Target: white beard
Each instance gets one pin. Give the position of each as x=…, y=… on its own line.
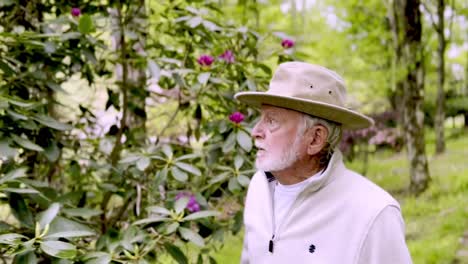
x=282, y=161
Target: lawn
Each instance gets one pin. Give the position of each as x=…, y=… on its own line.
x=435, y=220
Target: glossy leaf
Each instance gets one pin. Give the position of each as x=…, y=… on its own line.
x=188, y=168
x=244, y=140
x=176, y=253
x=190, y=235
x=179, y=174
x=48, y=215
x=62, y=227
x=180, y=204
x=26, y=143
x=201, y=214
x=59, y=249
x=14, y=174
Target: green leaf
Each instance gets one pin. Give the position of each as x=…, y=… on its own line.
x=244, y=140
x=151, y=220
x=12, y=239
x=50, y=122
x=26, y=143
x=230, y=143
x=143, y=163
x=20, y=210
x=21, y=103
x=59, y=249
x=19, y=190
x=251, y=84
x=190, y=235
x=14, y=174
x=238, y=162
x=200, y=214
x=171, y=228
x=6, y=150
x=130, y=159
x=188, y=168
x=221, y=177
x=85, y=25
x=98, y=258
x=178, y=174
x=6, y=68
x=70, y=35
x=154, y=69
x=158, y=210
x=16, y=116
x=176, y=253
x=194, y=21
x=243, y=180
x=26, y=258
x=52, y=152
x=180, y=204
x=233, y=185
x=62, y=227
x=48, y=215
x=203, y=77
x=210, y=25
x=167, y=150
x=82, y=212
x=187, y=156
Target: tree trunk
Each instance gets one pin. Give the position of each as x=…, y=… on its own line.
x=440, y=102
x=407, y=19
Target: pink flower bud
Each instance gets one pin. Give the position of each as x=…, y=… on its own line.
x=236, y=117
x=75, y=11
x=205, y=60
x=227, y=56
x=287, y=43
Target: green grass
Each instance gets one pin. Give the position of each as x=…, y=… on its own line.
x=435, y=220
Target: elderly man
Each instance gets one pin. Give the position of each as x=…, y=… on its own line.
x=303, y=205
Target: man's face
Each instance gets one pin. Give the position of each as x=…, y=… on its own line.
x=278, y=137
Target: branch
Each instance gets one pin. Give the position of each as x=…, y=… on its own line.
x=451, y=21
x=436, y=27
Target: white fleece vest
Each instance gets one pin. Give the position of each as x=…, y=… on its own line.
x=328, y=222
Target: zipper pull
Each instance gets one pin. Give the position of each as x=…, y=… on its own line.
x=271, y=245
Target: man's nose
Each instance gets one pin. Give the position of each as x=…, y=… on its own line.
x=257, y=131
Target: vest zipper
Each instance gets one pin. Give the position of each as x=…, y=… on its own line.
x=271, y=244
x=296, y=202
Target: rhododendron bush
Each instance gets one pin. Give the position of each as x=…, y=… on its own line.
x=170, y=167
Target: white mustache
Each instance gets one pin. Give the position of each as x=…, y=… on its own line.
x=259, y=146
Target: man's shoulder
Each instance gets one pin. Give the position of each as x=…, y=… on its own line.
x=364, y=191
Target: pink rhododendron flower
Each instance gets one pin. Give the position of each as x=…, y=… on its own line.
x=192, y=205
x=75, y=11
x=287, y=43
x=205, y=60
x=236, y=117
x=227, y=56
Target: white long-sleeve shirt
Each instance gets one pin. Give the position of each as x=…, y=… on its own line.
x=339, y=218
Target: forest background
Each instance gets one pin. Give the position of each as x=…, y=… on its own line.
x=120, y=141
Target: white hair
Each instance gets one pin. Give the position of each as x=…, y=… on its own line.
x=335, y=133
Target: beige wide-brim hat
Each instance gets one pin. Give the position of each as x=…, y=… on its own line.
x=311, y=89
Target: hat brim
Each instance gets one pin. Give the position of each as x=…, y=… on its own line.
x=348, y=118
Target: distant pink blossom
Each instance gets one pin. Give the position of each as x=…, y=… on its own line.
x=227, y=56
x=237, y=117
x=75, y=11
x=287, y=43
x=192, y=205
x=205, y=60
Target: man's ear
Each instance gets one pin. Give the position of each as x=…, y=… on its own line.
x=318, y=139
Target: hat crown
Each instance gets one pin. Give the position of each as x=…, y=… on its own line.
x=310, y=82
